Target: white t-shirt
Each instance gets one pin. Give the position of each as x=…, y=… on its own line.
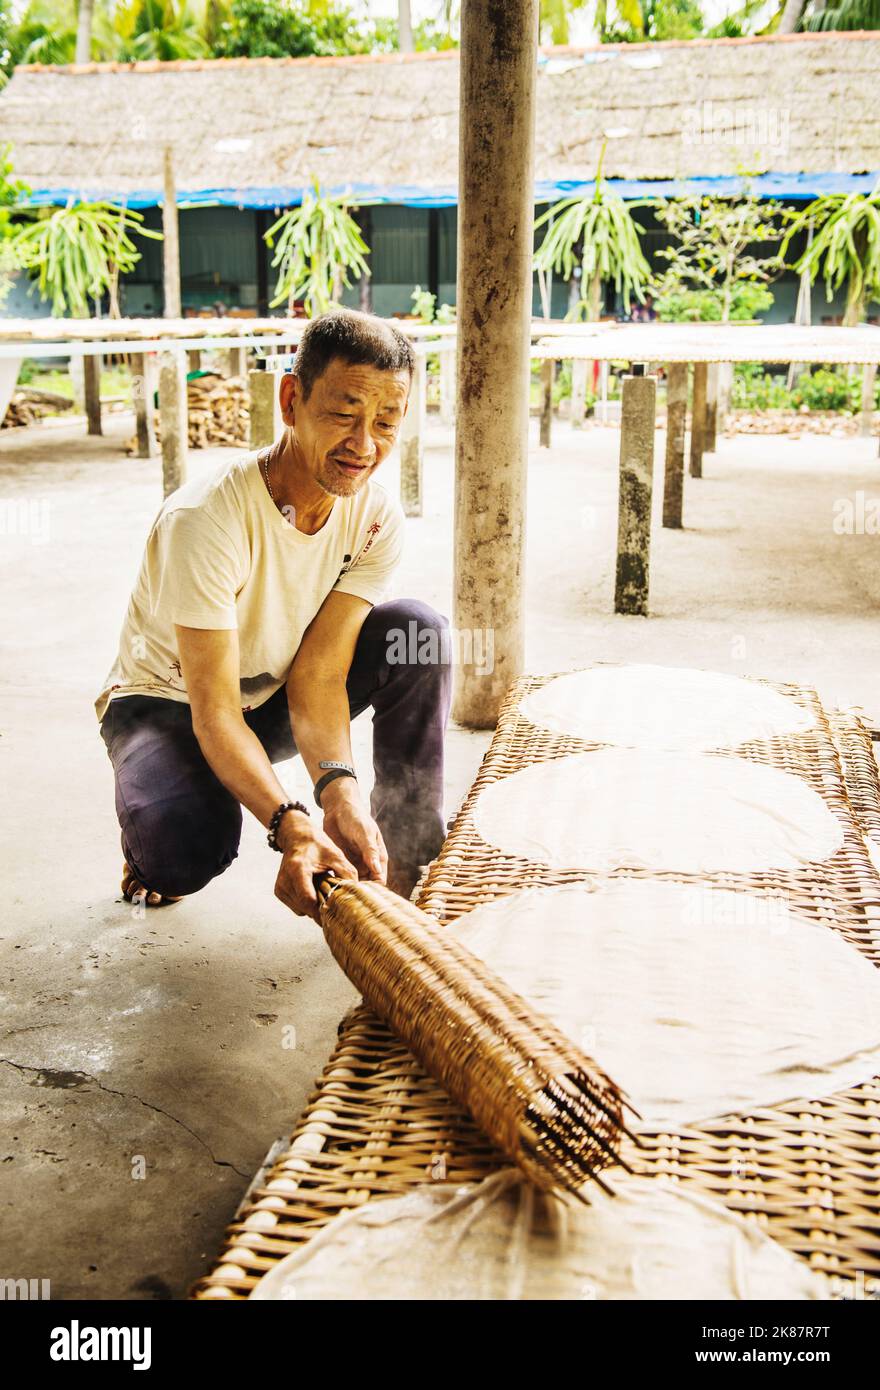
x=221, y=555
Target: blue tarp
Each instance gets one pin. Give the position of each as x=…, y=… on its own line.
x=799, y=187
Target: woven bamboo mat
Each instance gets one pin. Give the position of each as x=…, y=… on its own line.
x=807, y=1172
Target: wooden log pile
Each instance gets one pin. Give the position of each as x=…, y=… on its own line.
x=218, y=411
x=28, y=405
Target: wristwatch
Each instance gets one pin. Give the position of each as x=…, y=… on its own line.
x=333, y=770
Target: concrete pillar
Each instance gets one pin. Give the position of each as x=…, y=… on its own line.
x=866, y=417
x=92, y=392
x=171, y=240
x=173, y=418
x=578, y=391
x=265, y=408
x=676, y=424
x=447, y=387
x=547, y=374
x=236, y=361
x=698, y=420
x=494, y=300
x=712, y=375
x=634, y=502
x=412, y=441
x=142, y=389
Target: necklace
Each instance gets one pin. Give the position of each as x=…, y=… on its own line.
x=266, y=476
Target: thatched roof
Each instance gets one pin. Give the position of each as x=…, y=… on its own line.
x=258, y=131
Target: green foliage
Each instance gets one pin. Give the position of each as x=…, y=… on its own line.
x=711, y=266
x=77, y=252
x=318, y=245
x=824, y=388
x=425, y=307
x=285, y=28
x=13, y=194
x=748, y=301
x=600, y=232
x=159, y=30
x=845, y=247
x=849, y=14
x=640, y=21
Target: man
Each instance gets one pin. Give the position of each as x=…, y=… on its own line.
x=256, y=630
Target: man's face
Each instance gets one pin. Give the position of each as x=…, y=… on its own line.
x=349, y=423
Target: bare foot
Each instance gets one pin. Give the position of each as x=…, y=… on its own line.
x=133, y=888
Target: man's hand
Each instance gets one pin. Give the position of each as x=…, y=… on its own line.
x=307, y=851
x=350, y=826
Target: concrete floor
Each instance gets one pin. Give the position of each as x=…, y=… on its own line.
x=146, y=1059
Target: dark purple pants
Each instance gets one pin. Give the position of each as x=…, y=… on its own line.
x=180, y=825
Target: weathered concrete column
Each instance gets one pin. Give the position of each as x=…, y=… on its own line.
x=578, y=391
x=447, y=386
x=171, y=240
x=236, y=361
x=547, y=374
x=638, y=404
x=412, y=441
x=173, y=418
x=712, y=374
x=698, y=420
x=92, y=391
x=494, y=299
x=265, y=408
x=142, y=389
x=866, y=417
x=676, y=424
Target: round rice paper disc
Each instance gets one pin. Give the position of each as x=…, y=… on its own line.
x=502, y=1239
x=684, y=813
x=641, y=706
x=697, y=1001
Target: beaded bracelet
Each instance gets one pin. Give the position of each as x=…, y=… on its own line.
x=272, y=837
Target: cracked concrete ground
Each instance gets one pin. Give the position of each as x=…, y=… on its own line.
x=151, y=1058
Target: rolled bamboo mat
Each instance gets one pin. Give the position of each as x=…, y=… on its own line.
x=807, y=1172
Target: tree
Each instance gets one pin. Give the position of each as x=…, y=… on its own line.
x=845, y=248
x=13, y=196
x=84, y=31
x=78, y=251
x=712, y=271
x=849, y=14
x=404, y=26
x=599, y=231
x=156, y=30
x=318, y=245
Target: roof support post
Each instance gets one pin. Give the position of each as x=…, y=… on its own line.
x=412, y=440
x=866, y=418
x=142, y=388
x=171, y=240
x=712, y=376
x=578, y=391
x=676, y=423
x=547, y=373
x=173, y=418
x=265, y=408
x=698, y=420
x=638, y=404
x=92, y=391
x=499, y=40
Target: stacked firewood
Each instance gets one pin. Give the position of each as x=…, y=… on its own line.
x=218, y=410
x=29, y=405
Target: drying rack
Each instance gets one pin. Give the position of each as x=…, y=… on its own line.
x=806, y=1172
